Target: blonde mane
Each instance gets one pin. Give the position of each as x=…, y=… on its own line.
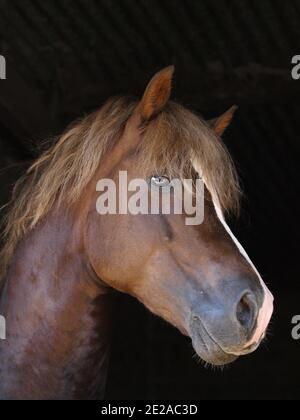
x=170, y=143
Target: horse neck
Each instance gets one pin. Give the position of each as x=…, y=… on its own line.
x=57, y=316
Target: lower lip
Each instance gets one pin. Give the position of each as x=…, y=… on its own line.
x=247, y=350
x=220, y=353
x=225, y=353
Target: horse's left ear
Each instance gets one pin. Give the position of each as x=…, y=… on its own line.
x=157, y=94
x=220, y=124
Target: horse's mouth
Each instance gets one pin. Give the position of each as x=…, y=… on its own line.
x=208, y=349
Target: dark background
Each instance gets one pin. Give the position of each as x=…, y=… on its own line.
x=66, y=57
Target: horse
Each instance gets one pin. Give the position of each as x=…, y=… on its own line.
x=61, y=261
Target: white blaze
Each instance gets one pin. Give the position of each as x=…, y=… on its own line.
x=266, y=311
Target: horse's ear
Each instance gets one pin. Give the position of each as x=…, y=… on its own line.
x=157, y=94
x=220, y=124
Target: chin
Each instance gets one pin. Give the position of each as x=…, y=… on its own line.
x=213, y=356
x=210, y=352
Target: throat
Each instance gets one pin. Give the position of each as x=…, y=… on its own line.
x=58, y=321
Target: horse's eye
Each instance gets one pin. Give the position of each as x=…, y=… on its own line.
x=159, y=181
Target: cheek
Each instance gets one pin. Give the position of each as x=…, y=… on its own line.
x=118, y=249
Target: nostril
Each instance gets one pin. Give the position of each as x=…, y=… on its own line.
x=247, y=312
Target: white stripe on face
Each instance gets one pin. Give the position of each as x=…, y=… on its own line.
x=266, y=311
